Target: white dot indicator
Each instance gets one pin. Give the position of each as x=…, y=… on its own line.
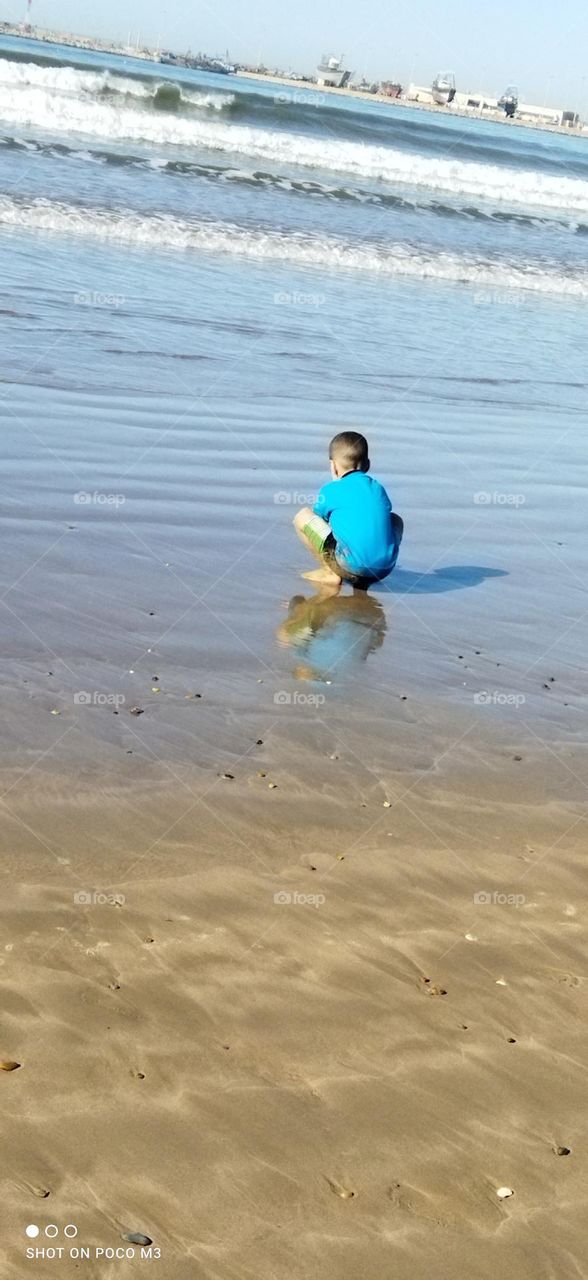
x=31, y=1231
x=70, y=1230
x=52, y=1230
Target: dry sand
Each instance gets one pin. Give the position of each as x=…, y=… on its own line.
x=336, y=1086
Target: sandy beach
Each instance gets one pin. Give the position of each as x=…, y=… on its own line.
x=292, y=927
x=330, y=1003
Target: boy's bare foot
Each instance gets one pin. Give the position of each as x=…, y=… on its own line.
x=325, y=576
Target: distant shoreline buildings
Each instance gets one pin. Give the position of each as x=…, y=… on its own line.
x=331, y=75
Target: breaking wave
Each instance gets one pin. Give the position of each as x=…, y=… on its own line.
x=102, y=104
x=166, y=232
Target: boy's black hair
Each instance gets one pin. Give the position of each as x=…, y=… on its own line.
x=350, y=451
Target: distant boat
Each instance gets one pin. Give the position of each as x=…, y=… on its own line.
x=331, y=71
x=509, y=101
x=443, y=88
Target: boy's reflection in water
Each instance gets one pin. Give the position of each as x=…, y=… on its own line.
x=332, y=633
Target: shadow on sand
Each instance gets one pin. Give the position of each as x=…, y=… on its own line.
x=450, y=578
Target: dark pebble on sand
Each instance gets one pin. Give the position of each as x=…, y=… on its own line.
x=259, y=742
x=230, y=777
x=8, y=1064
x=563, y=1151
x=511, y=1040
x=135, y=1237
x=517, y=757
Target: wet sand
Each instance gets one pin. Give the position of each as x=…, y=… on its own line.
x=282, y=1035
x=335, y=1084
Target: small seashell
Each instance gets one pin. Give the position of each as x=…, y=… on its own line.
x=55, y=713
x=504, y=1192
x=135, y=1237
x=500, y=982
x=471, y=937
x=7, y=1064
x=261, y=774
x=272, y=786
x=386, y=804
x=136, y=711
x=155, y=689
x=344, y=1193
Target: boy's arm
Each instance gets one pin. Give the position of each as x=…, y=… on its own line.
x=324, y=503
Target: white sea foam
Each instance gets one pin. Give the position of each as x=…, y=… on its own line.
x=67, y=100
x=490, y=277
x=70, y=82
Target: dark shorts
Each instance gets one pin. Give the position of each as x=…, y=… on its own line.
x=322, y=538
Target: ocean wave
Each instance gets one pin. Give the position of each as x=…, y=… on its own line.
x=71, y=82
x=67, y=100
x=421, y=202
x=166, y=232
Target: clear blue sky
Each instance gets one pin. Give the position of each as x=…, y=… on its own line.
x=539, y=45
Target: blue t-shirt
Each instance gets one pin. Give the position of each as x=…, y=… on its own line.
x=359, y=512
